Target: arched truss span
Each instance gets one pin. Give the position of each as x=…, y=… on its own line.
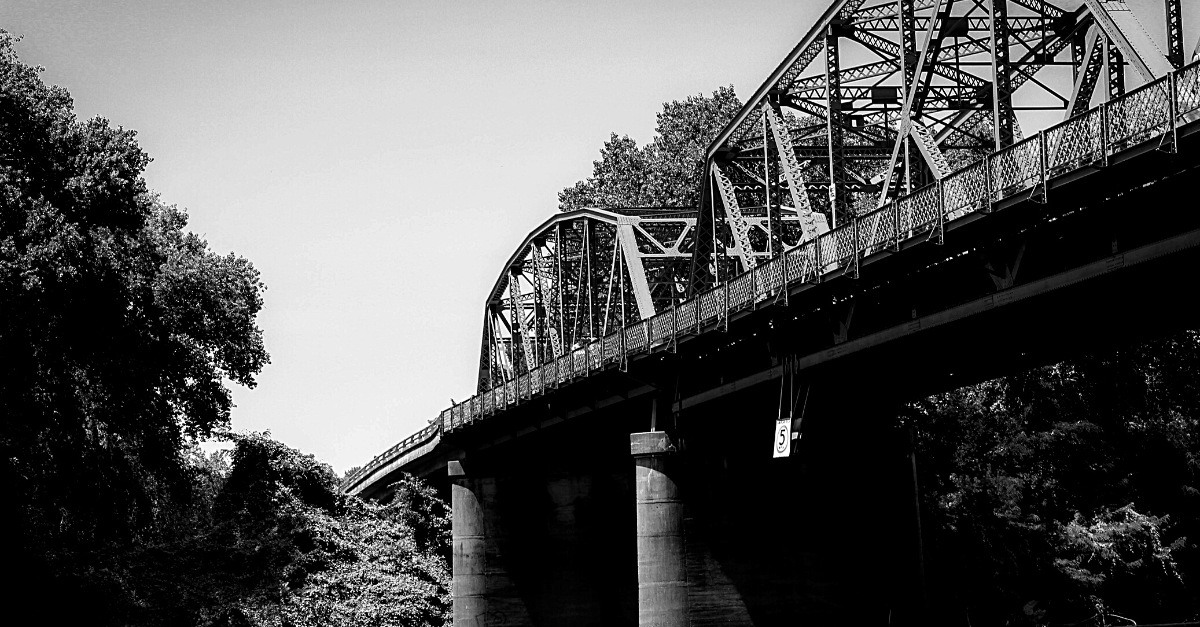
x=882, y=97
x=578, y=276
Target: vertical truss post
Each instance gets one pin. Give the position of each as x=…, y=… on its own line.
x=1002, y=111
x=909, y=59
x=1116, y=70
x=834, y=120
x=1174, y=33
x=770, y=184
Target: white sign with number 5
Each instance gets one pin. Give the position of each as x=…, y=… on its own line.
x=783, y=437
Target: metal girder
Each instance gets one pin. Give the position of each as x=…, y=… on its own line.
x=1088, y=75
x=637, y=272
x=1002, y=90
x=906, y=114
x=1174, y=23
x=930, y=151
x=810, y=223
x=1134, y=43
x=835, y=137
x=740, y=231
x=1114, y=62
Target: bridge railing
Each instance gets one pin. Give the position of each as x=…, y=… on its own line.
x=1152, y=111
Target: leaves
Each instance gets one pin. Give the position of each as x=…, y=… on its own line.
x=666, y=172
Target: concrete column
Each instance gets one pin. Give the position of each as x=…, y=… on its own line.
x=662, y=568
x=468, y=540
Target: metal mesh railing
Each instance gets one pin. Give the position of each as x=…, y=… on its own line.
x=710, y=306
x=1076, y=143
x=1187, y=94
x=595, y=353
x=1142, y=113
x=635, y=337
x=802, y=262
x=740, y=291
x=768, y=277
x=612, y=347
x=662, y=327
x=926, y=208
x=1016, y=169
x=877, y=229
x=965, y=191
x=686, y=315
x=579, y=365
x=1138, y=116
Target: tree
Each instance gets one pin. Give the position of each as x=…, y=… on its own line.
x=117, y=327
x=1067, y=490
x=666, y=172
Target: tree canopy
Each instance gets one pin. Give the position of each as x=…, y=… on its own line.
x=664, y=173
x=118, y=328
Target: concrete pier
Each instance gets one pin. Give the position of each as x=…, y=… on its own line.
x=661, y=555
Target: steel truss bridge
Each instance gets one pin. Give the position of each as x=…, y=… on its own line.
x=923, y=194
x=829, y=167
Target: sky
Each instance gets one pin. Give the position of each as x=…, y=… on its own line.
x=379, y=161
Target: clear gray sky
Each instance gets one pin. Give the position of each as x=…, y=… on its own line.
x=378, y=161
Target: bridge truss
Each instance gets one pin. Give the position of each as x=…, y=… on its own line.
x=882, y=98
x=841, y=158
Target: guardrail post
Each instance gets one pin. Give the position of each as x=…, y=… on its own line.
x=938, y=233
x=852, y=267
x=1104, y=143
x=1039, y=192
x=1171, y=136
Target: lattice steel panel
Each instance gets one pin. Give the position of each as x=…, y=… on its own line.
x=612, y=347
x=489, y=402
x=877, y=229
x=802, y=262
x=1187, y=89
x=476, y=407
x=535, y=381
x=579, y=365
x=686, y=315
x=1139, y=115
x=828, y=246
x=740, y=294
x=769, y=277
x=635, y=338
x=926, y=208
x=662, y=327
x=966, y=191
x=710, y=305
x=1017, y=168
x=523, y=387
x=843, y=246
x=456, y=415
x=565, y=368
x=1075, y=143
x=595, y=353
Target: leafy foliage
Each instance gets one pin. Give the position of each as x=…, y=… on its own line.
x=118, y=331
x=1069, y=489
x=666, y=172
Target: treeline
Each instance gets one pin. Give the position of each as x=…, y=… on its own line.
x=118, y=331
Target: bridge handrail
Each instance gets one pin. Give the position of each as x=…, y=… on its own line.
x=1150, y=111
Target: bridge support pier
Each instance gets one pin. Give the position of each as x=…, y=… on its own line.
x=468, y=538
x=661, y=559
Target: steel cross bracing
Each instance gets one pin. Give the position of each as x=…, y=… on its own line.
x=855, y=77
x=593, y=288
